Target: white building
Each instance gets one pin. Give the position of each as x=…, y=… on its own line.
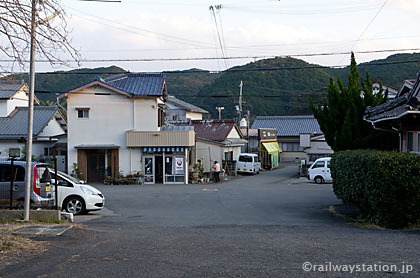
x=217, y=140
x=291, y=129
x=181, y=111
x=48, y=128
x=114, y=127
x=376, y=86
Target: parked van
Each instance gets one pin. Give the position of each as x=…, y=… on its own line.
x=248, y=163
x=73, y=196
x=40, y=184
x=320, y=170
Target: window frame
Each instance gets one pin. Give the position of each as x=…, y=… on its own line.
x=83, y=112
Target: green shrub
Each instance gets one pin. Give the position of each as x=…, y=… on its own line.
x=384, y=186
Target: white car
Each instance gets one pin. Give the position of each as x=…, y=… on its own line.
x=320, y=170
x=248, y=163
x=76, y=197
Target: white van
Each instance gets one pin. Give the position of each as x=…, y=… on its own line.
x=320, y=170
x=248, y=163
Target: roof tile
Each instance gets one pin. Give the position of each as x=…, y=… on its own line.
x=289, y=125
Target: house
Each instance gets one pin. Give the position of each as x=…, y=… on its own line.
x=48, y=129
x=406, y=87
x=400, y=115
x=251, y=135
x=115, y=127
x=181, y=111
x=392, y=92
x=217, y=140
x=298, y=136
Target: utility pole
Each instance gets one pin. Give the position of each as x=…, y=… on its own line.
x=220, y=108
x=240, y=100
x=247, y=131
x=30, y=116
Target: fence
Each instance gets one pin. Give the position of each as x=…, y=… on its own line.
x=43, y=185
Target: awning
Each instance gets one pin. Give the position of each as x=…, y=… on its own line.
x=272, y=147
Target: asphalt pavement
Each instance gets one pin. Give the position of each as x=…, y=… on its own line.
x=267, y=225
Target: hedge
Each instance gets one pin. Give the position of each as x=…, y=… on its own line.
x=384, y=186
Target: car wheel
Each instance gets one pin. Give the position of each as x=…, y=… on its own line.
x=319, y=180
x=75, y=205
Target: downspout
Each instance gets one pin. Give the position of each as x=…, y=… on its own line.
x=134, y=113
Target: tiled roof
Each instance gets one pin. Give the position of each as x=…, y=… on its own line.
x=213, y=130
x=9, y=87
x=252, y=132
x=185, y=105
x=388, y=109
x=289, y=125
x=16, y=124
x=138, y=84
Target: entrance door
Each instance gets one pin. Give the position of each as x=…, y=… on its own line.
x=149, y=167
x=95, y=165
x=158, y=169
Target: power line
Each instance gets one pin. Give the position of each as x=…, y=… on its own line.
x=224, y=58
x=211, y=8
x=232, y=70
x=366, y=28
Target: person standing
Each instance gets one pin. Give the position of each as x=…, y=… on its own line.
x=216, y=171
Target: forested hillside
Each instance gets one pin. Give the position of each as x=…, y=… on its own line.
x=48, y=84
x=270, y=86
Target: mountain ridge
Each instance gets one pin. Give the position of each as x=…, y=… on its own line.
x=280, y=85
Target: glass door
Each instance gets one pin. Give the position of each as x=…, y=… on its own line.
x=149, y=169
x=175, y=169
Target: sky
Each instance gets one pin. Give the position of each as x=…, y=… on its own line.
x=167, y=32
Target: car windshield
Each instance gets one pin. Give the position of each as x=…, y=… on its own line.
x=245, y=158
x=67, y=176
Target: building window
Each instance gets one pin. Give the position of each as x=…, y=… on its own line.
x=83, y=113
x=292, y=147
x=48, y=151
x=229, y=156
x=161, y=117
x=414, y=142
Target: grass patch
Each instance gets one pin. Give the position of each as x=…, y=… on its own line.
x=48, y=221
x=14, y=248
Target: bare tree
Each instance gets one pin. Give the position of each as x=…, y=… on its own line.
x=52, y=32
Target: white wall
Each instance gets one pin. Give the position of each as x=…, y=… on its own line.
x=194, y=116
x=37, y=147
x=233, y=134
x=53, y=128
x=19, y=99
x=110, y=117
x=236, y=151
x=3, y=108
x=7, y=106
x=208, y=153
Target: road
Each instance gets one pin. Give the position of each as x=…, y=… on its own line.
x=253, y=226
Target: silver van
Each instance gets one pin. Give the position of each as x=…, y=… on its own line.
x=40, y=181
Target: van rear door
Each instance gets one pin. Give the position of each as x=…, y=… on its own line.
x=328, y=171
